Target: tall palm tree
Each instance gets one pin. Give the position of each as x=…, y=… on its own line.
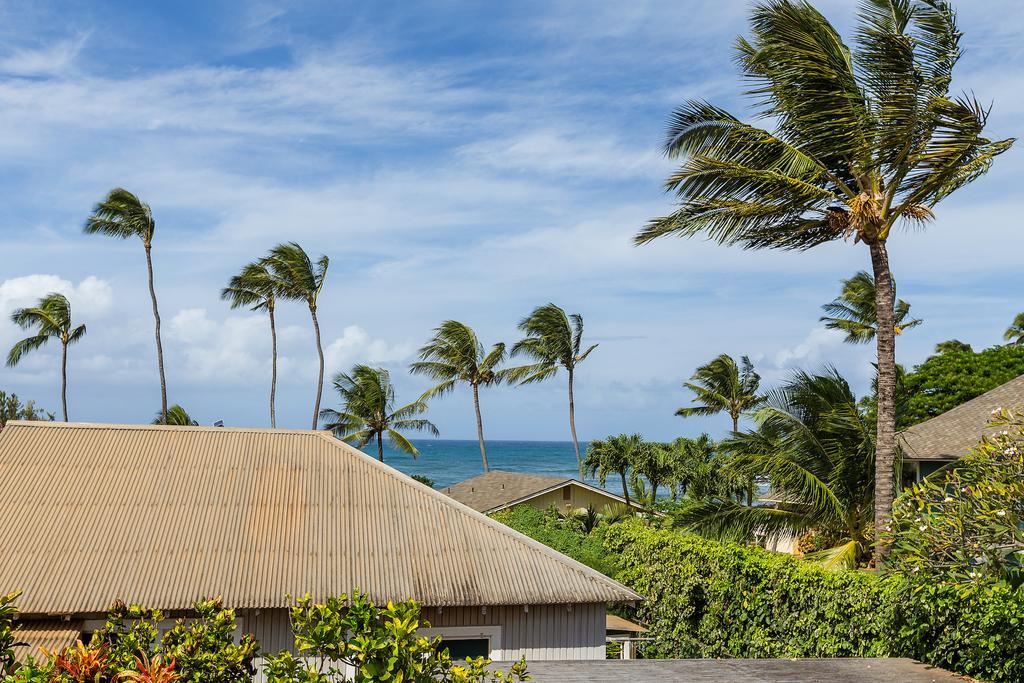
x=299, y=279
x=721, y=386
x=51, y=319
x=657, y=463
x=256, y=288
x=175, y=416
x=1015, y=333
x=614, y=455
x=123, y=215
x=816, y=449
x=867, y=139
x=553, y=339
x=368, y=412
x=853, y=311
x=453, y=355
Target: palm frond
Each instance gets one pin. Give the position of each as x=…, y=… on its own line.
x=121, y=214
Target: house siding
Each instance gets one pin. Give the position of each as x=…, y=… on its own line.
x=539, y=633
x=579, y=497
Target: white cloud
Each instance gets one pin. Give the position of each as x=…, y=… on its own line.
x=50, y=60
x=91, y=298
x=355, y=345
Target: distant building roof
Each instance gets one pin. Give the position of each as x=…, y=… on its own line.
x=613, y=622
x=499, y=489
x=40, y=637
x=953, y=433
x=162, y=516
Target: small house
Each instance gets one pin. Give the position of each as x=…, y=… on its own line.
x=499, y=490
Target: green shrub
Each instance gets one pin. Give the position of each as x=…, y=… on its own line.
x=564, y=535
x=7, y=613
x=707, y=599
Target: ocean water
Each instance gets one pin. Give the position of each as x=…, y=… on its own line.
x=448, y=461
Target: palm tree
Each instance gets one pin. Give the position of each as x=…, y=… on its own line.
x=553, y=339
x=11, y=408
x=853, y=311
x=368, y=412
x=723, y=387
x=299, y=279
x=1015, y=333
x=816, y=449
x=123, y=215
x=51, y=319
x=175, y=416
x=614, y=455
x=657, y=463
x=453, y=355
x=867, y=139
x=256, y=288
x=953, y=346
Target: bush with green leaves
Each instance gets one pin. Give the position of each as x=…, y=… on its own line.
x=567, y=535
x=7, y=640
x=709, y=599
x=377, y=643
x=967, y=524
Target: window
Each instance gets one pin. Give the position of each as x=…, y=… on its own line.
x=468, y=641
x=567, y=493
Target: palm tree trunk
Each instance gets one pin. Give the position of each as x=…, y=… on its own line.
x=64, y=379
x=625, y=489
x=480, y=427
x=273, y=366
x=320, y=377
x=380, y=447
x=572, y=428
x=159, y=344
x=885, y=438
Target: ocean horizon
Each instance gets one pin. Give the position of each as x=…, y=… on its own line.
x=449, y=461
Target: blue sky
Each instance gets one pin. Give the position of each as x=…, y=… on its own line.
x=455, y=160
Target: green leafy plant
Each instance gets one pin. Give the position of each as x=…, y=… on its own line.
x=8, y=611
x=966, y=524
x=204, y=648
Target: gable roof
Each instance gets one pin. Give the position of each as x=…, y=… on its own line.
x=498, y=489
x=953, y=433
x=162, y=516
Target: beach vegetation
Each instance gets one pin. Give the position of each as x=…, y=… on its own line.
x=368, y=412
x=867, y=140
x=49, y=319
x=553, y=339
x=853, y=311
x=123, y=215
x=455, y=355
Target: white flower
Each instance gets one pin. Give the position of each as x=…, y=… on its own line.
x=923, y=527
x=949, y=499
x=1001, y=513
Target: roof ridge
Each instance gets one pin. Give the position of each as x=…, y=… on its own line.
x=966, y=404
x=480, y=517
x=152, y=427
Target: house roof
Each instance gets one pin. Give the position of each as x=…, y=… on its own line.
x=953, y=433
x=162, y=516
x=498, y=489
x=39, y=637
x=613, y=622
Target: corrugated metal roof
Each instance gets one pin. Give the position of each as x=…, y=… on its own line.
x=162, y=516
x=955, y=432
x=37, y=636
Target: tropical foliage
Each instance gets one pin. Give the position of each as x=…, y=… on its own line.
x=613, y=455
x=176, y=416
x=723, y=387
x=711, y=600
x=1015, y=332
x=256, y=289
x=815, y=448
x=50, y=319
x=297, y=277
x=8, y=612
x=368, y=412
x=953, y=346
x=853, y=311
x=867, y=139
x=12, y=408
x=967, y=525
x=553, y=340
x=453, y=355
x=123, y=215
x=946, y=380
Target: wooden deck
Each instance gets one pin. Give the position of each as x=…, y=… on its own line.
x=741, y=671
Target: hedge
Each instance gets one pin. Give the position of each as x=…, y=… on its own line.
x=707, y=599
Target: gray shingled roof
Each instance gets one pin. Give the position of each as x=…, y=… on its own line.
x=498, y=488
x=163, y=515
x=739, y=671
x=953, y=433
